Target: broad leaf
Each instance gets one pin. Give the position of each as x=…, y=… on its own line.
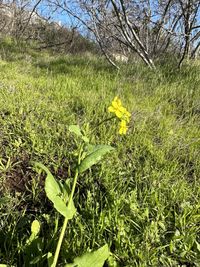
x=94, y=156
x=91, y=259
x=54, y=193
x=61, y=207
x=65, y=188
x=52, y=188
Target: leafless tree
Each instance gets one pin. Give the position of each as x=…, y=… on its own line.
x=143, y=27
x=149, y=29
x=110, y=23
x=190, y=13
x=18, y=15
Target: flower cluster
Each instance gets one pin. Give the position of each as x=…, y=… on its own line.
x=122, y=113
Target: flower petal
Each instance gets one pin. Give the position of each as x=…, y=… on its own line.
x=118, y=114
x=111, y=109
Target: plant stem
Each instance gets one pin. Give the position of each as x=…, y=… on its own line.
x=64, y=223
x=62, y=234
x=108, y=119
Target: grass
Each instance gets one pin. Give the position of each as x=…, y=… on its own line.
x=143, y=199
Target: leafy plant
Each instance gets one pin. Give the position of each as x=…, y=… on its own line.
x=61, y=196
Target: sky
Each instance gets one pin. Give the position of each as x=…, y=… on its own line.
x=64, y=19
x=57, y=16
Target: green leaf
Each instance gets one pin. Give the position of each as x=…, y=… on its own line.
x=71, y=210
x=35, y=230
x=53, y=188
x=94, y=156
x=54, y=193
x=35, y=227
x=65, y=188
x=61, y=207
x=75, y=129
x=50, y=259
x=91, y=259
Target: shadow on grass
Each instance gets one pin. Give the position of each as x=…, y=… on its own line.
x=13, y=51
x=172, y=73
x=166, y=73
x=71, y=64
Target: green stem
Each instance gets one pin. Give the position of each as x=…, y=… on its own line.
x=108, y=119
x=62, y=234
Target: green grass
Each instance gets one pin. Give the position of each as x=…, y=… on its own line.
x=143, y=199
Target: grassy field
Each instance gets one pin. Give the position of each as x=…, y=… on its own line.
x=143, y=199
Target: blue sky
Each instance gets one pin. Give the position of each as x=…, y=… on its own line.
x=70, y=21
x=56, y=16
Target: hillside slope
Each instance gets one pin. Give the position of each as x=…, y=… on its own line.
x=143, y=199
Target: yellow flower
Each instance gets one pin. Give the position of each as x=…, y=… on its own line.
x=119, y=110
x=125, y=114
x=123, y=127
x=116, y=107
x=122, y=113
